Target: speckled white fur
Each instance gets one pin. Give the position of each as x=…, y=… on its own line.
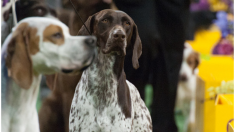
x=95, y=105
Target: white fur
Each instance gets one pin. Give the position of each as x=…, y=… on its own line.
x=186, y=91
x=18, y=109
x=95, y=103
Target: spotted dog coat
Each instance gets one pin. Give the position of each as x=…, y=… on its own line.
x=104, y=101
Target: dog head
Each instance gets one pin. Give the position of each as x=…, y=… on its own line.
x=44, y=46
x=189, y=64
x=115, y=31
x=24, y=9
x=30, y=8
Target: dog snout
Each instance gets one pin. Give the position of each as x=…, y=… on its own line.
x=90, y=42
x=183, y=77
x=119, y=35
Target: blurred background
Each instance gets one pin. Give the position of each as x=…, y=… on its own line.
x=164, y=28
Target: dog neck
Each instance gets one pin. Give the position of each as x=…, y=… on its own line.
x=16, y=98
x=107, y=83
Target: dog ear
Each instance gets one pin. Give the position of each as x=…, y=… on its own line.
x=90, y=26
x=18, y=61
x=137, y=47
x=197, y=60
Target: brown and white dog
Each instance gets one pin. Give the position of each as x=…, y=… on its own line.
x=57, y=104
x=186, y=91
x=37, y=46
x=24, y=9
x=104, y=100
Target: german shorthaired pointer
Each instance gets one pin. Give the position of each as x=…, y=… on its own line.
x=57, y=104
x=104, y=100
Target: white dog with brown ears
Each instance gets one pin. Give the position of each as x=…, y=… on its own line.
x=37, y=46
x=186, y=92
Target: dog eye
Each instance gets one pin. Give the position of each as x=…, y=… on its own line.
x=127, y=23
x=57, y=35
x=190, y=62
x=105, y=20
x=40, y=11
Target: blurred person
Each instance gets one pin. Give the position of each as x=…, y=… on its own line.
x=162, y=26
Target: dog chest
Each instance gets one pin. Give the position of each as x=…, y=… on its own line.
x=87, y=117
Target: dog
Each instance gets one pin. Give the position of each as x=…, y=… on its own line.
x=37, y=46
x=24, y=9
x=55, y=109
x=186, y=91
x=104, y=100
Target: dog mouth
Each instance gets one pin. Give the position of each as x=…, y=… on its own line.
x=119, y=51
x=86, y=64
x=84, y=68
x=89, y=61
x=66, y=71
x=114, y=47
x=115, y=52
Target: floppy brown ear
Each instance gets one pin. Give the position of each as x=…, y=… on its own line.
x=197, y=60
x=90, y=26
x=137, y=47
x=18, y=61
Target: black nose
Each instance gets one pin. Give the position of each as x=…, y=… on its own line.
x=183, y=77
x=119, y=35
x=90, y=42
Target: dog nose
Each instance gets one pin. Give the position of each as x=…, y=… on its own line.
x=90, y=42
x=183, y=77
x=119, y=35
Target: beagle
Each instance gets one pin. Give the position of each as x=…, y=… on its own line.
x=186, y=92
x=37, y=46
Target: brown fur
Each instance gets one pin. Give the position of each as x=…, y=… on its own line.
x=124, y=99
x=57, y=104
x=193, y=60
x=54, y=112
x=137, y=47
x=18, y=60
x=133, y=41
x=64, y=85
x=26, y=8
x=85, y=9
x=50, y=32
x=119, y=101
x=33, y=40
